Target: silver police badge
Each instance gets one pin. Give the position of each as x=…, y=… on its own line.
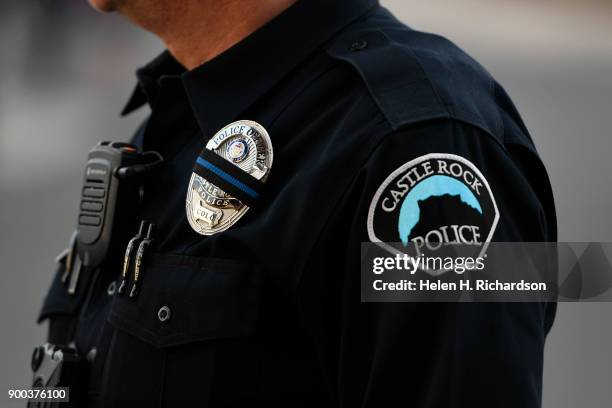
x=246, y=155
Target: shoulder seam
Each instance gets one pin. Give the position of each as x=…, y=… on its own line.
x=404, y=91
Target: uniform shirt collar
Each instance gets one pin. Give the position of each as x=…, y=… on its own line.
x=227, y=85
x=149, y=81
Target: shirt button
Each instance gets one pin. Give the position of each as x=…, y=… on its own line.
x=163, y=314
x=112, y=287
x=359, y=45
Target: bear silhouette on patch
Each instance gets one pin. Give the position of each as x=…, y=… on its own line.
x=445, y=210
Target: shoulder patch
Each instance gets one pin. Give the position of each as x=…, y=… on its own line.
x=432, y=200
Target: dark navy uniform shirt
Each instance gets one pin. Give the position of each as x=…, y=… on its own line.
x=268, y=313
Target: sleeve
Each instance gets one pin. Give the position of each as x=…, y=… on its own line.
x=446, y=181
x=60, y=309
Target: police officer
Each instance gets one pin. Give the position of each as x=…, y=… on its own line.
x=292, y=131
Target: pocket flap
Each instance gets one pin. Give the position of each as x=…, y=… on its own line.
x=185, y=299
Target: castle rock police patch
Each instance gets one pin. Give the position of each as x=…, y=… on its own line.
x=433, y=200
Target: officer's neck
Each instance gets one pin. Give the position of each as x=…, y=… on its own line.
x=198, y=31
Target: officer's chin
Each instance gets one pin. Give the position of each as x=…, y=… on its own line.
x=105, y=6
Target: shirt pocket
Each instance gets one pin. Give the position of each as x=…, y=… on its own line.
x=187, y=336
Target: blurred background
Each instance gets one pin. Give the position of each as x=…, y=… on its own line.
x=66, y=71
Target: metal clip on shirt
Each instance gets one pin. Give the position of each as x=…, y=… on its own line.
x=140, y=258
x=73, y=266
x=68, y=256
x=129, y=252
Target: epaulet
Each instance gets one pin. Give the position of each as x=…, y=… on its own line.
x=415, y=77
